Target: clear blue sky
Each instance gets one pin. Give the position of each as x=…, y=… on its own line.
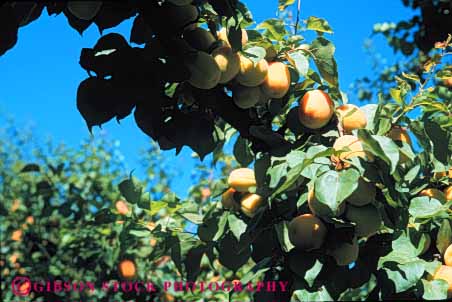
x=40, y=75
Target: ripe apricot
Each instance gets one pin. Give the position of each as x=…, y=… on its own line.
x=246, y=97
x=29, y=220
x=127, y=269
x=346, y=252
x=366, y=218
x=350, y=146
x=444, y=272
x=448, y=82
x=121, y=207
x=228, y=62
x=433, y=193
x=199, y=38
x=223, y=36
x=307, y=232
x=448, y=193
x=277, y=82
x=251, y=74
x=316, y=109
x=448, y=256
x=242, y=179
x=204, y=71
x=228, y=201
x=250, y=203
x=364, y=193
x=351, y=117
x=16, y=235
x=319, y=209
x=15, y=205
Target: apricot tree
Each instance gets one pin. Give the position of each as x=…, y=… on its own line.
x=335, y=201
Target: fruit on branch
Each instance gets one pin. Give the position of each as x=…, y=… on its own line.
x=351, y=117
x=448, y=256
x=307, y=232
x=349, y=146
x=322, y=210
x=127, y=269
x=444, y=272
x=178, y=16
x=366, y=218
x=277, y=82
x=448, y=82
x=364, y=193
x=250, y=203
x=316, y=109
x=251, y=74
x=17, y=235
x=228, y=62
x=204, y=71
x=433, y=193
x=440, y=175
x=223, y=36
x=246, y=97
x=199, y=39
x=122, y=207
x=398, y=133
x=345, y=253
x=448, y=193
x=242, y=179
x=228, y=201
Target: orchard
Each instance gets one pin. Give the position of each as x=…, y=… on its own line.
x=329, y=199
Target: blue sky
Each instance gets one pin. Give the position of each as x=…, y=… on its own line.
x=40, y=75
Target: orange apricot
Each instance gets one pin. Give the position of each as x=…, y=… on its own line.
x=351, y=117
x=277, y=82
x=316, y=109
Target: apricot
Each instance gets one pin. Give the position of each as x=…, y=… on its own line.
x=319, y=209
x=366, y=218
x=398, y=133
x=16, y=204
x=448, y=256
x=316, y=109
x=307, y=232
x=448, y=193
x=16, y=235
x=29, y=220
x=351, y=117
x=204, y=71
x=444, y=272
x=250, y=203
x=223, y=36
x=251, y=74
x=228, y=201
x=199, y=39
x=122, y=207
x=448, y=82
x=433, y=193
x=351, y=147
x=242, y=179
x=346, y=252
x=127, y=269
x=178, y=15
x=246, y=97
x=277, y=82
x=364, y=193
x=228, y=62
x=440, y=175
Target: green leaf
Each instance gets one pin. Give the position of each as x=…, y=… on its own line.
x=406, y=275
x=282, y=4
x=439, y=138
x=333, y=187
x=192, y=262
x=232, y=254
x=255, y=53
x=299, y=60
x=275, y=29
x=305, y=295
x=257, y=270
x=435, y=290
x=412, y=77
x=396, y=94
x=318, y=24
x=221, y=225
x=131, y=190
x=282, y=231
x=381, y=146
x=30, y=168
x=444, y=237
x=425, y=207
x=305, y=265
x=242, y=152
x=323, y=51
x=360, y=293
x=277, y=173
x=104, y=216
x=236, y=225
x=193, y=217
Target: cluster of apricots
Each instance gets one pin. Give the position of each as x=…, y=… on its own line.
x=238, y=196
x=215, y=62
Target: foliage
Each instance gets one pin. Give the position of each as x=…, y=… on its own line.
x=289, y=159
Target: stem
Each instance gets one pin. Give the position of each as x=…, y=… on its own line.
x=298, y=16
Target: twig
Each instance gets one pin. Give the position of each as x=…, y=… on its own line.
x=298, y=16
